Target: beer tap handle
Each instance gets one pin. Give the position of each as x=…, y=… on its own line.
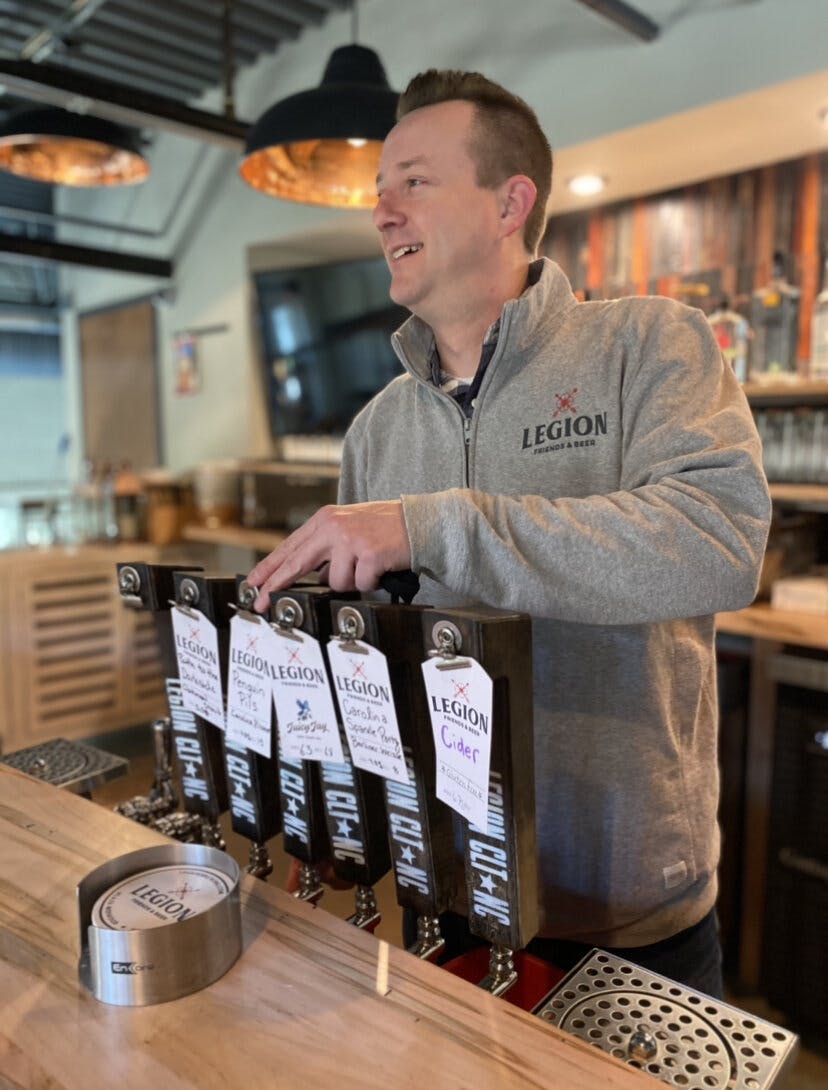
x=403, y=585
x=366, y=914
x=429, y=943
x=260, y=864
x=500, y=863
x=502, y=974
x=310, y=887
x=162, y=738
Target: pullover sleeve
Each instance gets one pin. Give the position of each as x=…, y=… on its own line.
x=682, y=536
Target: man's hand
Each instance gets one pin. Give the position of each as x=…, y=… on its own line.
x=359, y=542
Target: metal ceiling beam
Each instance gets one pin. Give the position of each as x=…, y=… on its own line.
x=626, y=16
x=159, y=26
x=28, y=215
x=295, y=11
x=265, y=28
x=46, y=250
x=128, y=57
x=81, y=64
x=108, y=63
x=45, y=41
x=116, y=102
x=141, y=43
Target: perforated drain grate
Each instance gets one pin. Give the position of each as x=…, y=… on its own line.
x=682, y=1037
x=73, y=765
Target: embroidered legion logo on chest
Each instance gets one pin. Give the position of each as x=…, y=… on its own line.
x=566, y=428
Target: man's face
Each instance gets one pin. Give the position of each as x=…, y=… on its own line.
x=439, y=228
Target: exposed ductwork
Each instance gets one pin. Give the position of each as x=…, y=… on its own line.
x=625, y=16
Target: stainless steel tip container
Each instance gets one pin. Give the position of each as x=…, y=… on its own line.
x=158, y=923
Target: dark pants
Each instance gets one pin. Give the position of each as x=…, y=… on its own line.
x=692, y=957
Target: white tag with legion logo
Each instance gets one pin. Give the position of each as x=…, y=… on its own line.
x=305, y=713
x=363, y=690
x=196, y=649
x=460, y=708
x=249, y=684
x=163, y=895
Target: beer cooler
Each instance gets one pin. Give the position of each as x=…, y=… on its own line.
x=795, y=942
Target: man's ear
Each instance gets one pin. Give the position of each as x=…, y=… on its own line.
x=516, y=196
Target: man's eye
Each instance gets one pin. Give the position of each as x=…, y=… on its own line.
x=411, y=182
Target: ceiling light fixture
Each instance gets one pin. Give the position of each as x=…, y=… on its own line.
x=587, y=185
x=52, y=145
x=323, y=146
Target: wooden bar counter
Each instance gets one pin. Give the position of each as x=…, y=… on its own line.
x=301, y=1008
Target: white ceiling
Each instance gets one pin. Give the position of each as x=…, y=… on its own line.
x=777, y=123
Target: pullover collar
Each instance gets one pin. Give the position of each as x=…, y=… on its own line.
x=534, y=315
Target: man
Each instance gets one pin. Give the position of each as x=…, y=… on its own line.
x=595, y=465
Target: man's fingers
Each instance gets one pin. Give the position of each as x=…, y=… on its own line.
x=290, y=571
x=304, y=551
x=360, y=541
x=367, y=574
x=341, y=571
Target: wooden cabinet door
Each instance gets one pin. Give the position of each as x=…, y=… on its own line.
x=120, y=386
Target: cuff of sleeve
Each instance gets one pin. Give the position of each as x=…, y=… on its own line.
x=425, y=521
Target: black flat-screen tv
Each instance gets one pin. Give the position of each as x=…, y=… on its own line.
x=325, y=333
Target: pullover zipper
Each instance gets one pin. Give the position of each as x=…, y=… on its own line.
x=467, y=421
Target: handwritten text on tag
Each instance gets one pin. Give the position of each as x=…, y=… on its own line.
x=460, y=708
x=249, y=680
x=196, y=648
x=305, y=712
x=363, y=690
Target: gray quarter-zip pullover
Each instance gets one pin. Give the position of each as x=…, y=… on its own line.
x=609, y=483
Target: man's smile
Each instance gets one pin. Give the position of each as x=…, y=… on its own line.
x=408, y=248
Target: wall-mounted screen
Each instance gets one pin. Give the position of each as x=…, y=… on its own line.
x=325, y=332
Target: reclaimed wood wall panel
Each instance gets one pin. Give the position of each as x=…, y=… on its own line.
x=711, y=240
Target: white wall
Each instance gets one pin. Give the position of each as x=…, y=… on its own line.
x=584, y=77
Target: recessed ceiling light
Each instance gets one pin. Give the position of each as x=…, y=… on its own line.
x=587, y=185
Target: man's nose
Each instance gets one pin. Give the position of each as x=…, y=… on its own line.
x=386, y=212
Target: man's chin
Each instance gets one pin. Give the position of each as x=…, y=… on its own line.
x=403, y=295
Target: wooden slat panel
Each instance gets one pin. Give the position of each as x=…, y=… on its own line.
x=65, y=635
x=66, y=668
x=56, y=616
x=69, y=650
x=78, y=687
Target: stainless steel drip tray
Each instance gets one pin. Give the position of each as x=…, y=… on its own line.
x=683, y=1037
x=76, y=766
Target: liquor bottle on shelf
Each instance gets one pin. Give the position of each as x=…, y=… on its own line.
x=819, y=331
x=775, y=322
x=733, y=334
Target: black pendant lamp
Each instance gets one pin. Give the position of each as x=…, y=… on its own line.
x=52, y=145
x=323, y=146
